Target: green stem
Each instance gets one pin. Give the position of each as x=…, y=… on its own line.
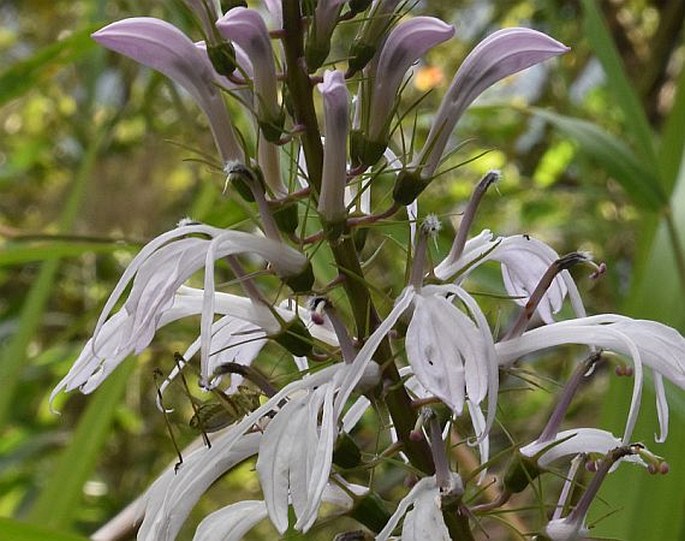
x=300, y=88
x=344, y=252
x=677, y=246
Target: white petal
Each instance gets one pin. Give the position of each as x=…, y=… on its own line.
x=425, y=520
x=232, y=522
x=173, y=495
x=578, y=440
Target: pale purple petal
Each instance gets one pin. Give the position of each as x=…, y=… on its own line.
x=407, y=42
x=247, y=28
x=336, y=127
x=163, y=47
x=501, y=54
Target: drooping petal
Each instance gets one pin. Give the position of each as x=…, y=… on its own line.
x=573, y=442
x=336, y=127
x=501, y=54
x=439, y=337
x=524, y=261
x=425, y=520
x=163, y=47
x=295, y=458
x=407, y=42
x=656, y=345
x=232, y=522
x=172, y=496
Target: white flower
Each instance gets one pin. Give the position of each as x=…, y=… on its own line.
x=524, y=261
x=572, y=442
x=451, y=354
x=646, y=342
x=295, y=457
x=424, y=521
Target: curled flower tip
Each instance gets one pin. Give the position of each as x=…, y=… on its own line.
x=569, y=260
x=655, y=463
x=243, y=178
x=184, y=222
x=600, y=270
x=431, y=225
x=316, y=306
x=491, y=177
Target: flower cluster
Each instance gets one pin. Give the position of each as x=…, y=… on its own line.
x=319, y=142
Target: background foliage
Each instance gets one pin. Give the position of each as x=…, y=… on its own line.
x=97, y=156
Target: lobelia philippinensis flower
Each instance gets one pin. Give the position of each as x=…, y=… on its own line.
x=163, y=47
x=386, y=360
x=501, y=54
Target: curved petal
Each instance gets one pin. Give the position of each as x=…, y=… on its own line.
x=163, y=47
x=501, y=54
x=232, y=522
x=407, y=42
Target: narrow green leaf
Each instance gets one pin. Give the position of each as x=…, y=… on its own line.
x=13, y=530
x=35, y=70
x=641, y=183
x=58, y=501
x=652, y=507
x=659, y=293
x=673, y=140
x=20, y=254
x=604, y=48
x=13, y=354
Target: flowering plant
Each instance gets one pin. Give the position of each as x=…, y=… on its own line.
x=419, y=358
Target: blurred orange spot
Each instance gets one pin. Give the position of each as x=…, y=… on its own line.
x=428, y=77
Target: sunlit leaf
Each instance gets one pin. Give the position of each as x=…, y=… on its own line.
x=622, y=90
x=20, y=254
x=640, y=182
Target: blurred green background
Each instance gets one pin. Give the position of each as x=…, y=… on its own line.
x=97, y=156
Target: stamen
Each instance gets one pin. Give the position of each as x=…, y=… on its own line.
x=470, y=213
x=582, y=371
x=429, y=229
x=561, y=264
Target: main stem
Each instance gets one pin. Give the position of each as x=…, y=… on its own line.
x=344, y=252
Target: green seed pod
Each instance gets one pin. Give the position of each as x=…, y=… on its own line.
x=521, y=471
x=272, y=128
x=371, y=511
x=286, y=217
x=360, y=55
x=302, y=282
x=408, y=186
x=363, y=151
